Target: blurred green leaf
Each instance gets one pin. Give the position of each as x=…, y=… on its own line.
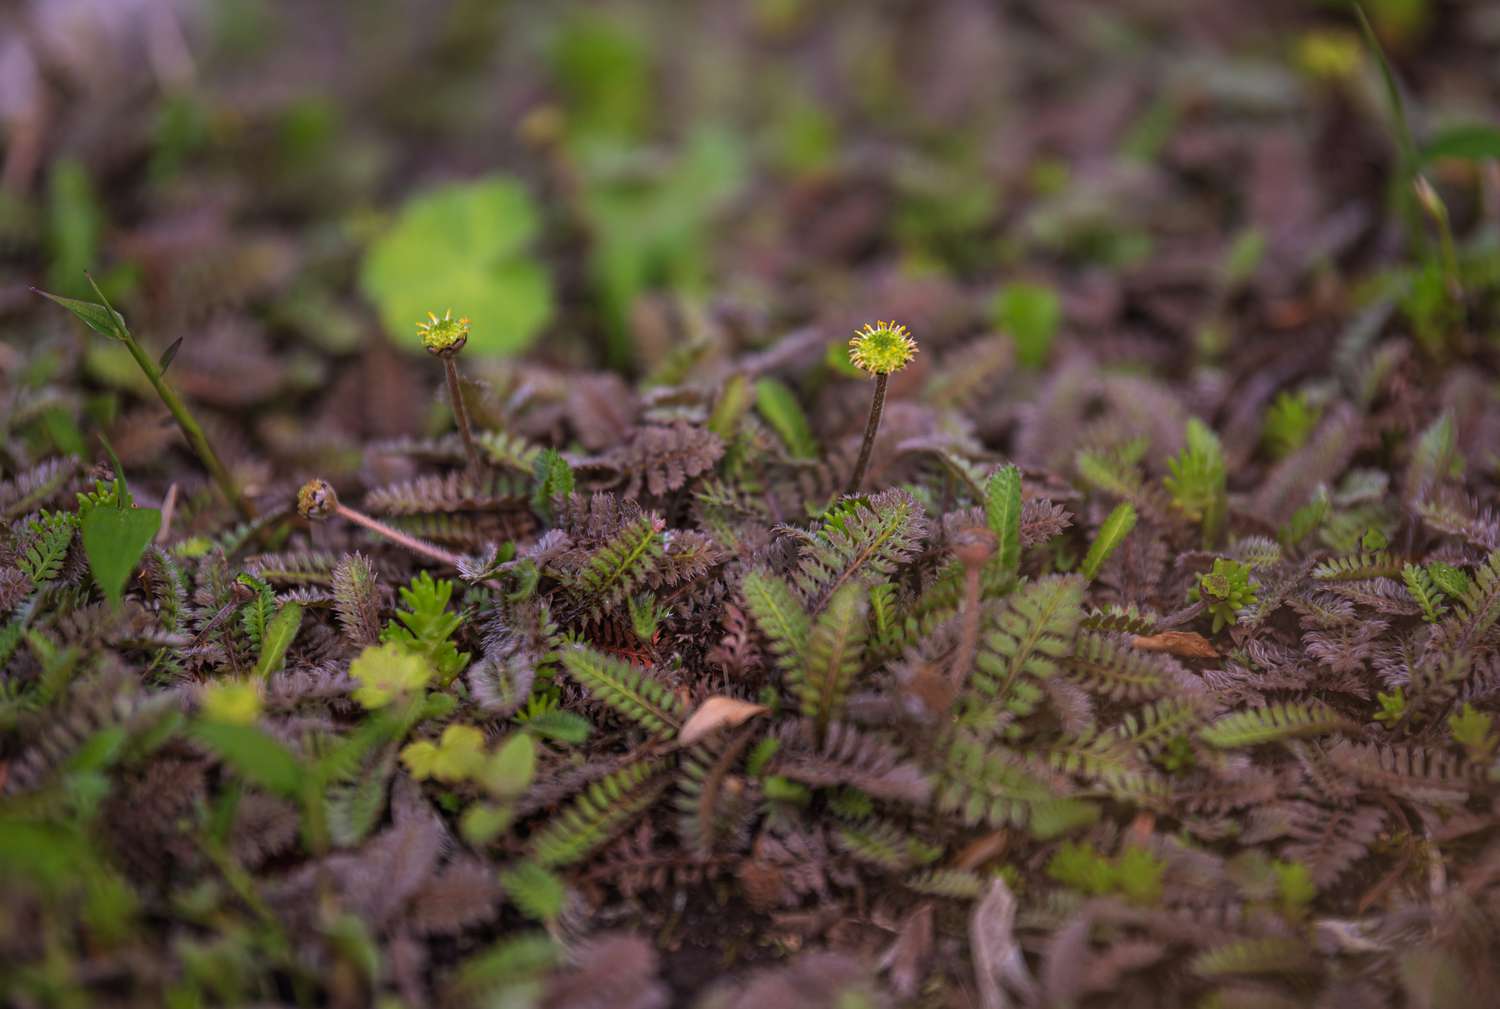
x=115, y=539
x=1468, y=143
x=463, y=246
x=280, y=633
x=257, y=757
x=75, y=222
x=1030, y=313
x=778, y=405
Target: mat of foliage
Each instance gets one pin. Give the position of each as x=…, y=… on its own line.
x=1155, y=662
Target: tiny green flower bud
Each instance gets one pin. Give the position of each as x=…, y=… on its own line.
x=317, y=500
x=882, y=349
x=446, y=336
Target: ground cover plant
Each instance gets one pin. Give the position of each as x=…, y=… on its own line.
x=931, y=505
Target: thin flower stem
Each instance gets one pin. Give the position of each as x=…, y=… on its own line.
x=461, y=413
x=397, y=536
x=190, y=429
x=876, y=406
x=968, y=630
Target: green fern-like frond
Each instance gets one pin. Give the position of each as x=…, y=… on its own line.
x=600, y=812
x=955, y=884
x=1198, y=480
x=620, y=566
x=779, y=615
x=1106, y=666
x=1153, y=728
x=1115, y=470
x=1100, y=757
x=46, y=545
x=1378, y=564
x=426, y=625
x=536, y=892
x=1425, y=594
x=863, y=541
x=1272, y=724
x=257, y=613
x=835, y=649
x=1027, y=639
x=626, y=689
x=1002, y=513
x=983, y=786
x=1119, y=619
x=884, y=844
x=1263, y=955
x=509, y=451
x=1475, y=611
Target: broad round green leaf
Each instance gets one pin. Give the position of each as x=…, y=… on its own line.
x=464, y=247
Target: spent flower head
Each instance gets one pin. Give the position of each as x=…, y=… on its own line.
x=316, y=500
x=882, y=348
x=444, y=336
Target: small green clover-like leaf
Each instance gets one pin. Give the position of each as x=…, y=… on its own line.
x=463, y=244
x=236, y=702
x=508, y=772
x=482, y=822
x=115, y=539
x=387, y=672
x=420, y=758
x=458, y=756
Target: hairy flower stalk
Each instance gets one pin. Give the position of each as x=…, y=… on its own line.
x=317, y=501
x=879, y=350
x=974, y=548
x=445, y=337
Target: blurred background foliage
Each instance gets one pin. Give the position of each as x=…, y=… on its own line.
x=294, y=185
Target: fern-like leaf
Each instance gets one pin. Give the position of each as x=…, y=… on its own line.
x=861, y=541
x=626, y=690
x=1029, y=636
x=835, y=648
x=1273, y=724
x=600, y=812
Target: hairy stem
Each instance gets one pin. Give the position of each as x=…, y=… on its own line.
x=968, y=629
x=398, y=537
x=461, y=414
x=190, y=429
x=876, y=406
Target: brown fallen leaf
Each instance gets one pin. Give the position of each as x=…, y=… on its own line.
x=717, y=713
x=1184, y=644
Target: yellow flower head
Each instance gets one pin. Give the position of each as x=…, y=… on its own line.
x=1330, y=55
x=446, y=335
x=232, y=701
x=387, y=672
x=883, y=348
